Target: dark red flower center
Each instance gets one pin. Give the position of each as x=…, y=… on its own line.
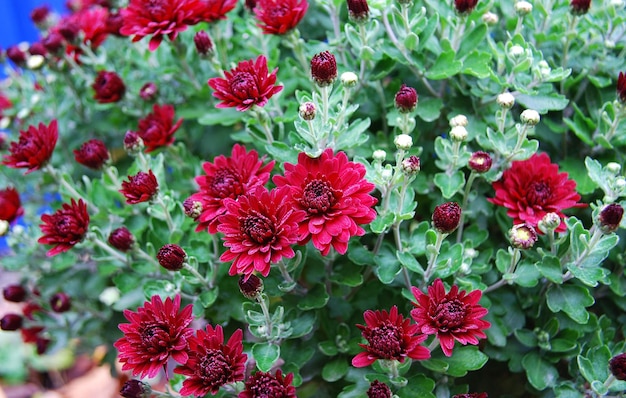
x=278, y=12
x=385, y=341
x=214, y=368
x=65, y=224
x=242, y=83
x=156, y=9
x=226, y=183
x=318, y=196
x=539, y=193
x=258, y=227
x=155, y=337
x=449, y=315
x=266, y=387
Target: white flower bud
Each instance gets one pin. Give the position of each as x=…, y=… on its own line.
x=617, y=3
x=35, y=62
x=544, y=68
x=506, y=100
x=403, y=141
x=349, y=79
x=516, y=51
x=530, y=117
x=379, y=155
x=23, y=113
x=614, y=168
x=523, y=8
x=610, y=44
x=620, y=182
x=549, y=222
x=458, y=120
x=490, y=18
x=5, y=122
x=109, y=296
x=458, y=133
x=4, y=227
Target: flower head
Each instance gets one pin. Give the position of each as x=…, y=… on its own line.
x=11, y=322
x=34, y=147
x=610, y=217
x=14, y=293
x=157, y=331
x=171, y=257
x=451, y=316
x=378, y=389
x=579, y=7
x=60, y=302
x=323, y=68
x=533, y=187
x=39, y=14
x=389, y=336
x=157, y=18
x=247, y=85
x=212, y=363
x=621, y=87
x=446, y=217
x=65, y=228
x=406, y=99
x=228, y=177
x=262, y=384
x=211, y=10
x=157, y=128
x=480, y=162
x=334, y=194
x=108, y=87
x=10, y=205
x=465, y=6
x=522, y=236
x=277, y=17
x=141, y=187
x=136, y=389
x=617, y=366
x=133, y=143
x=358, y=10
x=149, y=91
x=203, y=43
x=93, y=154
x=121, y=239
x=259, y=229
x=250, y=286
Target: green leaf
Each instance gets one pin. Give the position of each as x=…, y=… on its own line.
x=409, y=261
x=572, y=300
x=543, y=103
x=382, y=223
x=388, y=265
x=315, y=298
x=550, y=267
x=472, y=39
x=429, y=109
x=158, y=288
x=446, y=66
x=265, y=355
x=450, y=184
x=335, y=370
x=347, y=274
x=464, y=359
x=222, y=116
x=418, y=386
x=411, y=41
x=541, y=374
x=207, y=298
x=589, y=276
x=477, y=63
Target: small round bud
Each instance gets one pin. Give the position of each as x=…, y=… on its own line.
x=35, y=62
x=148, y=91
x=11, y=322
x=379, y=155
x=610, y=44
x=171, y=257
x=459, y=120
x=203, y=44
x=506, y=100
x=480, y=162
x=60, y=302
x=349, y=79
x=406, y=99
x=523, y=8
x=14, y=293
x=121, y=239
x=446, y=217
x=530, y=117
x=516, y=51
x=109, y=296
x=620, y=182
x=136, y=389
x=358, y=10
x=403, y=141
x=378, y=389
x=411, y=165
x=307, y=110
x=617, y=365
x=522, y=236
x=386, y=174
x=614, y=168
x=458, y=133
x=549, y=222
x=4, y=227
x=193, y=208
x=544, y=68
x=465, y=6
x=490, y=18
x=617, y=3
x=133, y=143
x=250, y=287
x=579, y=7
x=610, y=217
x=93, y=154
x=323, y=68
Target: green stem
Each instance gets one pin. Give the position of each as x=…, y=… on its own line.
x=262, y=300
x=466, y=193
x=114, y=253
x=168, y=218
x=502, y=120
x=568, y=40
x=595, y=238
x=297, y=45
x=72, y=191
x=195, y=273
x=517, y=255
x=520, y=140
x=433, y=259
x=146, y=256
x=458, y=32
x=181, y=53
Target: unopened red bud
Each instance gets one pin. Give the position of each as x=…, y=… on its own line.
x=324, y=68
x=480, y=162
x=358, y=10
x=148, y=91
x=60, y=302
x=250, y=287
x=136, y=389
x=93, y=154
x=42, y=344
x=133, y=142
x=121, y=239
x=406, y=99
x=14, y=293
x=203, y=43
x=193, y=208
x=446, y=217
x=610, y=217
x=617, y=365
x=171, y=257
x=11, y=322
x=378, y=389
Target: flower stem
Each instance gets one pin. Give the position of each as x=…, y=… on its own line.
x=433, y=344
x=72, y=191
x=195, y=273
x=517, y=255
x=595, y=238
x=168, y=218
x=262, y=300
x=114, y=253
x=296, y=44
x=466, y=193
x=433, y=259
x=182, y=58
x=520, y=140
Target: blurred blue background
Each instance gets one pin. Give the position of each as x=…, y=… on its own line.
x=15, y=23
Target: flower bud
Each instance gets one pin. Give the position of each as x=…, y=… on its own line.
x=35, y=62
x=16, y=55
x=620, y=182
x=579, y=7
x=446, y=217
x=465, y=6
x=549, y=222
x=613, y=168
x=108, y=87
x=516, y=51
x=522, y=236
x=115, y=22
x=136, y=389
x=14, y=293
x=37, y=48
x=358, y=10
x=490, y=18
x=193, y=208
x=621, y=87
x=4, y=227
x=379, y=155
x=530, y=117
x=251, y=287
x=544, y=68
x=610, y=217
x=386, y=174
x=458, y=133
x=60, y=302
x=480, y=162
x=378, y=389
x=41, y=343
x=39, y=15
x=133, y=143
x=203, y=43
x=459, y=120
x=349, y=79
x=121, y=239
x=411, y=165
x=406, y=99
x=403, y=142
x=171, y=257
x=323, y=68
x=53, y=42
x=523, y=8
x=307, y=110
x=93, y=154
x=506, y=100
x=617, y=3
x=617, y=365
x=148, y=91
x=11, y=322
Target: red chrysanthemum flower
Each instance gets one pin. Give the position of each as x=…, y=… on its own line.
x=93, y=22
x=108, y=87
x=228, y=178
x=335, y=195
x=141, y=187
x=378, y=389
x=621, y=87
x=5, y=103
x=262, y=385
x=259, y=229
x=10, y=205
x=277, y=17
x=533, y=187
x=324, y=68
x=406, y=99
x=34, y=147
x=65, y=228
x=617, y=366
x=156, y=332
x=211, y=11
x=39, y=14
x=212, y=364
x=247, y=85
x=157, y=18
x=93, y=154
x=121, y=239
x=158, y=128
x=465, y=6
x=389, y=336
x=451, y=316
